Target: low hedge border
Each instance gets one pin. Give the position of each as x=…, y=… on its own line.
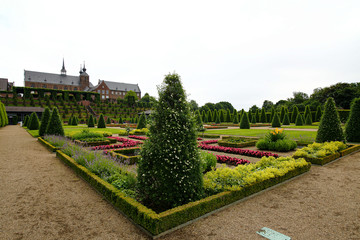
x=225, y=143
x=120, y=155
x=215, y=127
x=159, y=224
x=50, y=147
x=208, y=136
x=91, y=144
x=330, y=158
x=350, y=149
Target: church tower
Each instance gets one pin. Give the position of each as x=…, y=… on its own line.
x=63, y=70
x=84, y=78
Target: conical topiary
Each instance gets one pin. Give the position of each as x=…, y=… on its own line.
x=121, y=120
x=307, y=112
x=142, y=122
x=352, y=126
x=276, y=120
x=221, y=116
x=101, y=123
x=209, y=116
x=90, y=122
x=108, y=121
x=299, y=120
x=235, y=118
x=308, y=120
x=55, y=126
x=272, y=114
x=282, y=113
x=169, y=171
x=330, y=125
x=263, y=116
x=44, y=121
x=253, y=118
x=294, y=114
x=217, y=117
x=33, y=122
x=257, y=115
x=244, y=123
x=26, y=120
x=318, y=114
x=228, y=116
x=286, y=120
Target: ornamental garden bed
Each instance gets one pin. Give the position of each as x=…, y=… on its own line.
x=48, y=145
x=215, y=127
x=156, y=223
x=237, y=142
x=323, y=153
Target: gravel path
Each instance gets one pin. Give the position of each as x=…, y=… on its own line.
x=41, y=198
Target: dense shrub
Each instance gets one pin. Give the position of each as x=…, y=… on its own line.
x=236, y=118
x=308, y=119
x=44, y=121
x=257, y=115
x=330, y=126
x=33, y=122
x=198, y=119
x=253, y=119
x=276, y=120
x=320, y=150
x=221, y=116
x=169, y=170
x=142, y=121
x=244, y=123
x=74, y=121
x=282, y=113
x=3, y=116
x=263, y=116
x=207, y=161
x=55, y=126
x=101, y=123
x=108, y=120
x=26, y=120
x=299, y=120
x=228, y=116
x=276, y=140
x=294, y=114
x=15, y=120
x=307, y=112
x=352, y=126
x=90, y=122
x=318, y=114
x=286, y=120
x=121, y=120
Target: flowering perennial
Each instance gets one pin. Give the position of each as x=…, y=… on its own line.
x=231, y=160
x=138, y=137
x=125, y=144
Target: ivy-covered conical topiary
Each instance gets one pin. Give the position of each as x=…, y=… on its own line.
x=276, y=120
x=352, y=126
x=169, y=172
x=286, y=120
x=330, y=125
x=108, y=121
x=253, y=118
x=26, y=120
x=55, y=126
x=90, y=122
x=235, y=118
x=308, y=119
x=263, y=116
x=307, y=112
x=244, y=123
x=318, y=114
x=44, y=121
x=282, y=113
x=299, y=120
x=101, y=123
x=33, y=122
x=142, y=122
x=294, y=114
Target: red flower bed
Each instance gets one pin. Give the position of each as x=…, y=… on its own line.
x=125, y=144
x=231, y=160
x=138, y=137
x=239, y=151
x=208, y=142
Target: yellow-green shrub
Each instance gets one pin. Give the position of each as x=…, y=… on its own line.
x=320, y=150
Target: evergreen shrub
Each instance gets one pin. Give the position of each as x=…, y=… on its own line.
x=244, y=123
x=286, y=120
x=90, y=122
x=55, y=126
x=308, y=119
x=352, y=126
x=169, y=170
x=299, y=120
x=276, y=120
x=101, y=123
x=44, y=121
x=330, y=125
x=142, y=122
x=33, y=122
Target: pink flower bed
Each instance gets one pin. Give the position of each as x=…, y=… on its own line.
x=138, y=137
x=231, y=160
x=204, y=145
x=208, y=142
x=125, y=144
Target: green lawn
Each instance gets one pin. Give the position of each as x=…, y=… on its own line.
x=300, y=127
x=297, y=135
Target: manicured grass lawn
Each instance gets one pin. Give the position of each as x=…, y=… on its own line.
x=300, y=127
x=261, y=132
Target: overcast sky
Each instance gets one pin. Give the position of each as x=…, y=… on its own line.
x=243, y=52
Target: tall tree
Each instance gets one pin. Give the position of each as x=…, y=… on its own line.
x=169, y=171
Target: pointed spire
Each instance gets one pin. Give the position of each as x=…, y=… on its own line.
x=63, y=70
x=84, y=69
x=80, y=70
